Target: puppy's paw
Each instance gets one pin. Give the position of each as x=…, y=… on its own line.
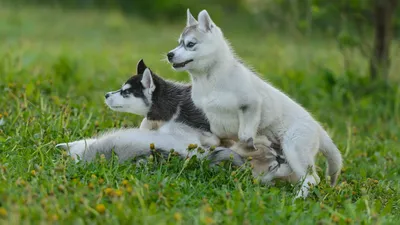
x=262, y=141
x=247, y=143
x=246, y=137
x=250, y=143
x=209, y=139
x=302, y=194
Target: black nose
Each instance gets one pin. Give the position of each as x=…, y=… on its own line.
x=170, y=55
x=107, y=95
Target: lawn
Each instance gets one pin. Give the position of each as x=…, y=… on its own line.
x=56, y=66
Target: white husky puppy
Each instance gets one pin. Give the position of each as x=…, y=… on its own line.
x=240, y=105
x=163, y=103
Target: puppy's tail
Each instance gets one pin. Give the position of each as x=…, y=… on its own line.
x=127, y=144
x=333, y=156
x=130, y=144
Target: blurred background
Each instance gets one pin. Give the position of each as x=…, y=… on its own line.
x=346, y=35
x=326, y=54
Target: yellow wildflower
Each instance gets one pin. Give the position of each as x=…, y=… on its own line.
x=3, y=212
x=178, y=216
x=101, y=208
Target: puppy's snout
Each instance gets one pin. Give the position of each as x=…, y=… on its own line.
x=107, y=95
x=170, y=56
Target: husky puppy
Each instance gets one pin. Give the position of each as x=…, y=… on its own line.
x=240, y=105
x=171, y=122
x=160, y=101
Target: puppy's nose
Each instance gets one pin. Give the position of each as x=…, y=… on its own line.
x=170, y=55
x=107, y=95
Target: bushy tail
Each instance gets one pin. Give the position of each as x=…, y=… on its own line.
x=333, y=156
x=129, y=144
x=126, y=144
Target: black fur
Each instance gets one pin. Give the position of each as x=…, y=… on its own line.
x=244, y=107
x=136, y=88
x=141, y=67
x=168, y=100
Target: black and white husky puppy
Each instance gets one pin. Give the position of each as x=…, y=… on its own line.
x=171, y=122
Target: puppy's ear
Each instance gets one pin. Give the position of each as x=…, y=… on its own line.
x=205, y=22
x=140, y=67
x=147, y=81
x=190, y=21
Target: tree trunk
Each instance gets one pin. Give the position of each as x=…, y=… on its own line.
x=380, y=59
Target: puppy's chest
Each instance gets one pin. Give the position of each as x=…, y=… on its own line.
x=222, y=111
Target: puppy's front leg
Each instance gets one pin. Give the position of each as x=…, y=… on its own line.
x=249, y=121
x=150, y=124
x=145, y=124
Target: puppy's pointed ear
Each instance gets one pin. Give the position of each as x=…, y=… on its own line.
x=190, y=21
x=205, y=22
x=140, y=67
x=147, y=81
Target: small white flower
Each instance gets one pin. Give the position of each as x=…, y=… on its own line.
x=2, y=121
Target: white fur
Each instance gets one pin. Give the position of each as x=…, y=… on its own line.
x=76, y=148
x=190, y=19
x=222, y=85
x=130, y=104
x=130, y=143
x=150, y=124
x=147, y=82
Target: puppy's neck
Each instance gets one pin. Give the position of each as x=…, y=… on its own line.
x=222, y=61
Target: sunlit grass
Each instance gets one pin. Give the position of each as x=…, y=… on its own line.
x=55, y=68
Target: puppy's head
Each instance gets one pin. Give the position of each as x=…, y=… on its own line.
x=135, y=94
x=198, y=44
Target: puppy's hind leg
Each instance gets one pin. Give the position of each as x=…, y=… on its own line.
x=298, y=145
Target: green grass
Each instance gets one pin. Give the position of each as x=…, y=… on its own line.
x=55, y=68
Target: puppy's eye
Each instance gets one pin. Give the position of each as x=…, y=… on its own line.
x=190, y=44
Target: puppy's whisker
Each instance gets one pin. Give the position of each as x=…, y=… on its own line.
x=164, y=58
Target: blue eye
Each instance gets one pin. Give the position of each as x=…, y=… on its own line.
x=190, y=44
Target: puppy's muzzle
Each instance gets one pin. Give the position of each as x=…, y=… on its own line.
x=170, y=56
